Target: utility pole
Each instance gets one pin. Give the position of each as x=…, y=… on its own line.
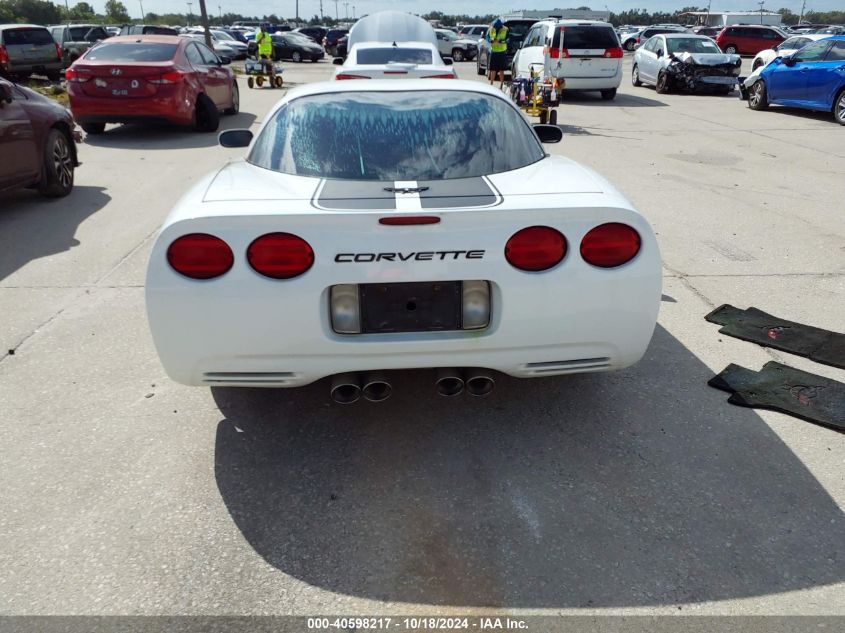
x=336, y=14
x=353, y=11
x=801, y=17
x=761, y=3
x=322, y=18
x=346, y=4
x=204, y=16
x=143, y=14
x=220, y=11
x=189, y=12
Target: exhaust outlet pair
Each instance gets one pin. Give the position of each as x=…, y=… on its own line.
x=452, y=382
x=348, y=388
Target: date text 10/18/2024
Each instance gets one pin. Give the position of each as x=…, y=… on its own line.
x=416, y=624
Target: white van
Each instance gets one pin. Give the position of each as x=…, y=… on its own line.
x=586, y=54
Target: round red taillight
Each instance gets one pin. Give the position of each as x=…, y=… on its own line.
x=200, y=256
x=280, y=255
x=535, y=248
x=610, y=245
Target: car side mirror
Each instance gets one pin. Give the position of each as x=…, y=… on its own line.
x=548, y=133
x=338, y=61
x=660, y=52
x=6, y=94
x=789, y=61
x=235, y=138
x=448, y=61
x=775, y=47
x=225, y=61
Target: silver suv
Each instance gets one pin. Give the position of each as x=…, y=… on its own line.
x=26, y=49
x=455, y=46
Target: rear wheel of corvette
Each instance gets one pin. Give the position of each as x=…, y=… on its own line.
x=662, y=86
x=758, y=99
x=236, y=100
x=94, y=128
x=206, y=116
x=57, y=170
x=839, y=107
x=635, y=77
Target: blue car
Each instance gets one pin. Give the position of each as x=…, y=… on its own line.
x=812, y=78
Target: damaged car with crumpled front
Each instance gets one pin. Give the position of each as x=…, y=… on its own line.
x=686, y=63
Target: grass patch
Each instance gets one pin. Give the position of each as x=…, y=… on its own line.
x=50, y=90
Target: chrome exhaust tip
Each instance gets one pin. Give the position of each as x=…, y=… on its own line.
x=479, y=383
x=449, y=382
x=376, y=388
x=346, y=388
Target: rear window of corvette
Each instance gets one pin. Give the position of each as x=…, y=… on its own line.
x=389, y=136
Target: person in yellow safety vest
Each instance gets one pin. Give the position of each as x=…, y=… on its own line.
x=497, y=63
x=265, y=51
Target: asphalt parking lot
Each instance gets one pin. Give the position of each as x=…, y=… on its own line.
x=638, y=492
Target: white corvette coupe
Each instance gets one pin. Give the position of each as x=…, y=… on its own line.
x=372, y=228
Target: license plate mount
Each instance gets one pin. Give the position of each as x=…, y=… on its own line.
x=410, y=307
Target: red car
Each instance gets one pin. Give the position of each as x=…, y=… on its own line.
x=749, y=39
x=134, y=79
x=37, y=142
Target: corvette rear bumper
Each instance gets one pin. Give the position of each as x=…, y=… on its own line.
x=537, y=328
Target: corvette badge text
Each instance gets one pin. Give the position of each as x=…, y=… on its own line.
x=421, y=256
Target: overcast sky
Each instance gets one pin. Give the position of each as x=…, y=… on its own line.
x=307, y=8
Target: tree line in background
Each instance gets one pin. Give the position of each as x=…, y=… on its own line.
x=45, y=12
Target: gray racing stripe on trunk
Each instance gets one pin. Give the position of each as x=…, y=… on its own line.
x=437, y=194
x=461, y=192
x=354, y=194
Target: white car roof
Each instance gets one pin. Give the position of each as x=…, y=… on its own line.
x=398, y=45
x=809, y=36
x=573, y=22
x=391, y=26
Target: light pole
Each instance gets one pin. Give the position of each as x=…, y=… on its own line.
x=353, y=11
x=220, y=11
x=336, y=13
x=346, y=4
x=761, y=3
x=189, y=12
x=143, y=14
x=801, y=17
